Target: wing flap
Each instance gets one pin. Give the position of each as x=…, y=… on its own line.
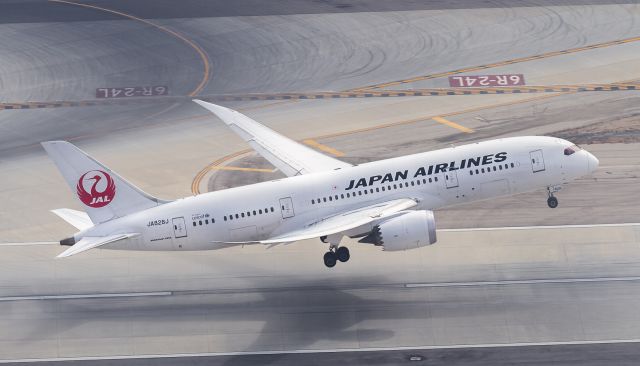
x=90, y=242
x=292, y=158
x=344, y=221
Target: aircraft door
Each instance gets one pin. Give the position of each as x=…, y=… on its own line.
x=179, y=228
x=537, y=161
x=286, y=207
x=451, y=179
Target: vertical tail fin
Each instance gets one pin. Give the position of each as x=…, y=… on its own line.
x=103, y=193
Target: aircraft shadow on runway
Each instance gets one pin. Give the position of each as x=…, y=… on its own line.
x=301, y=317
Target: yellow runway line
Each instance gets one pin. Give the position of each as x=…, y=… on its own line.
x=325, y=148
x=235, y=168
x=195, y=184
x=190, y=43
x=452, y=124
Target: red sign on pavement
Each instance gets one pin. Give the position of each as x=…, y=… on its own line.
x=486, y=80
x=132, y=91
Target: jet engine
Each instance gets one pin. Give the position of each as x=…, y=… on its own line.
x=413, y=229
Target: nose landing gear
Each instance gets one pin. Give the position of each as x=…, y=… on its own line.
x=552, y=201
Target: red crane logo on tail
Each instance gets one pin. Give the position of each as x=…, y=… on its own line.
x=101, y=188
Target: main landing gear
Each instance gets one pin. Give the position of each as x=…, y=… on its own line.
x=552, y=201
x=336, y=253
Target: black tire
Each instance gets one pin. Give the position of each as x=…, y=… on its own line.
x=552, y=202
x=343, y=254
x=330, y=259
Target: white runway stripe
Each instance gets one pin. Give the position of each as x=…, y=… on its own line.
x=30, y=243
x=333, y=350
x=523, y=282
x=85, y=296
x=540, y=227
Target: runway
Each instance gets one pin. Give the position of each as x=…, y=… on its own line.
x=619, y=353
x=505, y=286
x=561, y=288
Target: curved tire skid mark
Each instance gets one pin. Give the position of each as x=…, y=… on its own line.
x=201, y=53
x=498, y=64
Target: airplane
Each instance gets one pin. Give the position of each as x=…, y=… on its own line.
x=387, y=203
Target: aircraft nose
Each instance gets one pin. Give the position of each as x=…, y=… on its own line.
x=592, y=162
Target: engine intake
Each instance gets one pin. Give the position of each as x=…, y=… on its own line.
x=410, y=230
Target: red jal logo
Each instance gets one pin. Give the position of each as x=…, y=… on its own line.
x=101, y=190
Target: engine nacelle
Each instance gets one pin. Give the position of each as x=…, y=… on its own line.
x=411, y=230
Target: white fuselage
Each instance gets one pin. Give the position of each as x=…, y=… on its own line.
x=435, y=179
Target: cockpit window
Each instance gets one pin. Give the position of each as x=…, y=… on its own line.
x=571, y=150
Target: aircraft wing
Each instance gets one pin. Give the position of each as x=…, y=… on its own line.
x=90, y=242
x=290, y=157
x=344, y=221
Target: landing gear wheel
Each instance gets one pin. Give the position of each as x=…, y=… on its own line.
x=330, y=259
x=552, y=202
x=343, y=254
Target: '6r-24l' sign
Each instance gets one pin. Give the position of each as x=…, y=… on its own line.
x=486, y=80
x=132, y=91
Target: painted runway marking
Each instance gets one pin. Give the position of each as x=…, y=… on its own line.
x=329, y=95
x=522, y=282
x=332, y=350
x=29, y=243
x=195, y=184
x=452, y=124
x=541, y=227
x=201, y=53
x=325, y=148
x=85, y=296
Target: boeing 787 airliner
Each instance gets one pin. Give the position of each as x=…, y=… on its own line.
x=387, y=203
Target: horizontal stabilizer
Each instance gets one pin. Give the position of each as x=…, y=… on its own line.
x=80, y=220
x=90, y=242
